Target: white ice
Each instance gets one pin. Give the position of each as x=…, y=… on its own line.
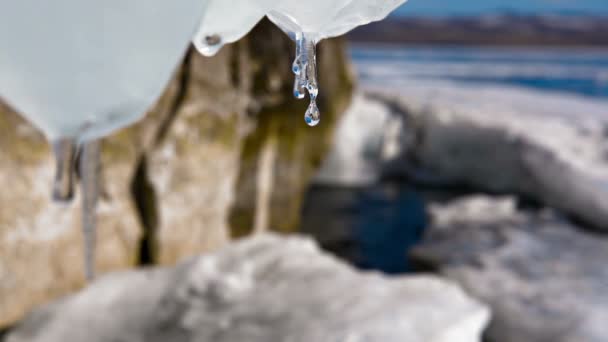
x=320, y=19
x=226, y=21
x=82, y=68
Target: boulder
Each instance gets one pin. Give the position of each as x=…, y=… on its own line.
x=265, y=288
x=544, y=279
x=224, y=151
x=547, y=147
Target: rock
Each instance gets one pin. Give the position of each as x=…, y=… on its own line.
x=266, y=288
x=544, y=279
x=194, y=172
x=550, y=148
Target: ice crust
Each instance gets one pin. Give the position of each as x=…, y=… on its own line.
x=83, y=69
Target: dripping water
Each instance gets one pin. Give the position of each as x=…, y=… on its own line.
x=305, y=68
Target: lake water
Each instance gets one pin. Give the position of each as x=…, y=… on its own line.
x=574, y=70
x=373, y=227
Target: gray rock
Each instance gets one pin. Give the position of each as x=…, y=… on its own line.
x=545, y=280
x=551, y=148
x=266, y=288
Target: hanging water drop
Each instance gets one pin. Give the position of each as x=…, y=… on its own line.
x=312, y=115
x=305, y=69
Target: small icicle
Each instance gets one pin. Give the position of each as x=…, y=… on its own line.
x=305, y=69
x=89, y=172
x=65, y=154
x=311, y=69
x=299, y=85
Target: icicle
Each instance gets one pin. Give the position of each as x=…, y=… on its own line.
x=63, y=184
x=305, y=69
x=89, y=171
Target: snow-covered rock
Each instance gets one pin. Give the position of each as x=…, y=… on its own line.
x=266, y=288
x=544, y=279
x=549, y=147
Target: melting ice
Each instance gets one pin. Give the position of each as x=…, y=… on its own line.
x=313, y=21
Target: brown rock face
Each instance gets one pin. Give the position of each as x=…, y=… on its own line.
x=224, y=152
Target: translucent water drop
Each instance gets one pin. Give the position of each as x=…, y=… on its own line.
x=65, y=159
x=90, y=177
x=305, y=69
x=312, y=115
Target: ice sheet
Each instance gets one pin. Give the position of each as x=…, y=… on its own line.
x=86, y=68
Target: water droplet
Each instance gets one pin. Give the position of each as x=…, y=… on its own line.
x=312, y=116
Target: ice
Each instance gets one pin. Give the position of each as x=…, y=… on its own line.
x=308, y=23
x=83, y=69
x=226, y=21
x=322, y=19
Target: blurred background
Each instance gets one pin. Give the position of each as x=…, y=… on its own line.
x=466, y=140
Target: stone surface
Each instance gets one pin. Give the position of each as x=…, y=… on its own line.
x=550, y=148
x=182, y=181
x=544, y=279
x=266, y=288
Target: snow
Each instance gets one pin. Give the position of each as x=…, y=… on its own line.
x=264, y=288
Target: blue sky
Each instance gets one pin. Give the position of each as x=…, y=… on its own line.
x=467, y=7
